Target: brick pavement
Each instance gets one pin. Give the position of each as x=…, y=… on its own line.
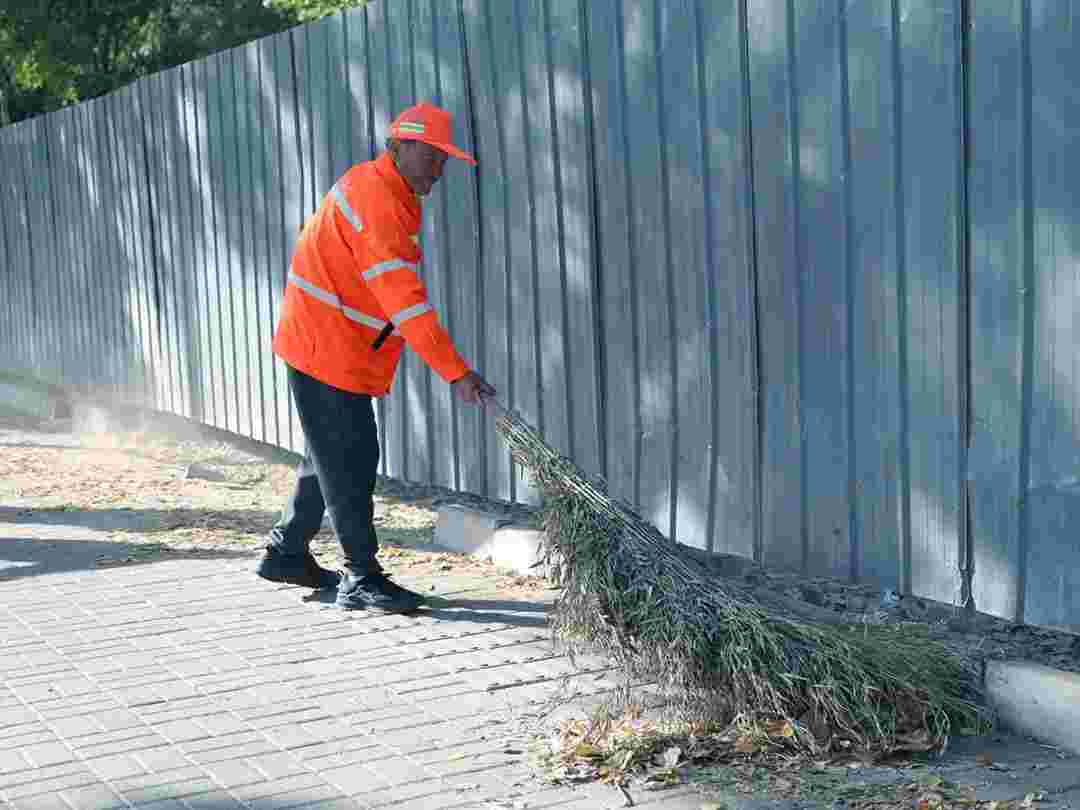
x=193, y=684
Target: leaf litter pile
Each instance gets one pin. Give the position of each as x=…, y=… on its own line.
x=735, y=677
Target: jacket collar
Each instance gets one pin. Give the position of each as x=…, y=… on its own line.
x=384, y=165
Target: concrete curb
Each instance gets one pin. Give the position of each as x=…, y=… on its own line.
x=25, y=400
x=1037, y=701
x=489, y=536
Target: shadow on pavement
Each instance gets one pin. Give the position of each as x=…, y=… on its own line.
x=27, y=557
x=483, y=611
x=142, y=520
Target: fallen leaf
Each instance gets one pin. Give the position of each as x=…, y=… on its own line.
x=745, y=745
x=670, y=758
x=585, y=751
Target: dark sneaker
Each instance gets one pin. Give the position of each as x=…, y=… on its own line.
x=377, y=593
x=296, y=569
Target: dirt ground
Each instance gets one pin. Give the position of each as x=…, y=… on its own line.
x=161, y=493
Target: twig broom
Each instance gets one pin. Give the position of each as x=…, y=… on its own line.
x=711, y=649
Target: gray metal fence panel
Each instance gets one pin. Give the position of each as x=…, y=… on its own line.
x=492, y=469
x=729, y=272
x=618, y=321
x=780, y=299
x=875, y=158
x=1047, y=572
x=53, y=301
x=11, y=333
x=248, y=143
x=83, y=350
x=796, y=278
x=435, y=438
x=820, y=73
x=262, y=144
x=465, y=255
x=161, y=136
x=16, y=234
x=929, y=135
x=999, y=206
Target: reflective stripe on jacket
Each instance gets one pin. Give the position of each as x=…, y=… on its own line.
x=353, y=273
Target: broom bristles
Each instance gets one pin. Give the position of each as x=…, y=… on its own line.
x=712, y=650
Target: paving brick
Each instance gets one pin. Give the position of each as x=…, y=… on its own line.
x=288, y=792
x=13, y=760
x=222, y=723
x=422, y=792
x=67, y=727
x=31, y=734
x=140, y=742
x=118, y=719
x=174, y=689
x=342, y=803
x=76, y=686
x=265, y=717
x=181, y=731
x=166, y=804
x=49, y=801
x=48, y=753
x=46, y=780
x=354, y=780
x=327, y=756
x=215, y=742
x=233, y=773
x=169, y=784
x=165, y=758
x=116, y=767
x=277, y=764
x=183, y=709
x=117, y=677
x=189, y=668
x=292, y=735
x=137, y=697
x=31, y=692
x=94, y=797
x=77, y=706
x=30, y=674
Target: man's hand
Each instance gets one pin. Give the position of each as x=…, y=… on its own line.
x=473, y=388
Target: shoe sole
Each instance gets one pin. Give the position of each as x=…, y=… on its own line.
x=285, y=580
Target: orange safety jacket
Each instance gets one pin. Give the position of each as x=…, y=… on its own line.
x=354, y=275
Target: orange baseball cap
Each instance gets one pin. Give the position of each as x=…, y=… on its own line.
x=430, y=124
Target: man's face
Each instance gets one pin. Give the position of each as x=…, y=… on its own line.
x=421, y=165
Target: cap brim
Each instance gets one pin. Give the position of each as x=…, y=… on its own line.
x=454, y=152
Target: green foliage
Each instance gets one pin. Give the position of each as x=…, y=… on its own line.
x=58, y=52
x=307, y=10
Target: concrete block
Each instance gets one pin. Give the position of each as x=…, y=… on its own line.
x=487, y=535
x=25, y=400
x=517, y=548
x=1037, y=701
x=464, y=530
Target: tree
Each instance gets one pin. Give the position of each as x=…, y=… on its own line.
x=58, y=52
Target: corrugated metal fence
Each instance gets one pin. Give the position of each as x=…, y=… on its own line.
x=797, y=277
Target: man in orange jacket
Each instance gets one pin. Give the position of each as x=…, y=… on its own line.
x=353, y=300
